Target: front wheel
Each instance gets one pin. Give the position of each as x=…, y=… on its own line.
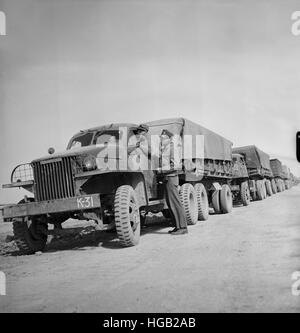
x=30, y=234
x=127, y=216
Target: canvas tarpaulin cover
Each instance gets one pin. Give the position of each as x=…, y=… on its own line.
x=276, y=167
x=215, y=146
x=255, y=158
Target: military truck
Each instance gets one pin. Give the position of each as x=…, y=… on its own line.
x=240, y=186
x=259, y=171
x=93, y=180
x=276, y=167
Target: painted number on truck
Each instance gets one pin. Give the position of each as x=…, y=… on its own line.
x=85, y=202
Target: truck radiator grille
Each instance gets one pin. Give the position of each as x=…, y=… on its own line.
x=53, y=179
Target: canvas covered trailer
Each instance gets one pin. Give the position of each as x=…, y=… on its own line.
x=257, y=161
x=217, y=149
x=276, y=167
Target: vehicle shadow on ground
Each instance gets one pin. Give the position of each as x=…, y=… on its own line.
x=86, y=237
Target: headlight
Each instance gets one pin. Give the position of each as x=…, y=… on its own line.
x=89, y=163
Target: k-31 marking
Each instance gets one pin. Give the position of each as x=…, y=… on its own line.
x=85, y=202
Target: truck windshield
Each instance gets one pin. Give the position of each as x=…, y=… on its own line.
x=82, y=140
x=100, y=138
x=105, y=137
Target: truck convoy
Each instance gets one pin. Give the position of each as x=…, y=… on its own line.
x=95, y=179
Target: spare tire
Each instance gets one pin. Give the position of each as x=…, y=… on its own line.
x=189, y=202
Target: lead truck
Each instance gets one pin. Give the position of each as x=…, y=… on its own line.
x=77, y=183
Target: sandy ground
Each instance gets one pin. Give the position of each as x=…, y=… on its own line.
x=239, y=262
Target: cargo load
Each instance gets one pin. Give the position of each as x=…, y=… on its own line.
x=216, y=147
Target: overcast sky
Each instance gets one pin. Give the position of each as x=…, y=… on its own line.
x=231, y=66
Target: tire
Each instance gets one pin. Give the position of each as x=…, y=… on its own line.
x=226, y=199
x=278, y=184
x=260, y=190
x=264, y=188
x=215, y=200
x=286, y=185
x=202, y=202
x=127, y=216
x=189, y=203
x=269, y=188
x=245, y=193
x=274, y=187
x=30, y=234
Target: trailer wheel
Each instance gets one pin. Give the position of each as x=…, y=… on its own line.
x=215, y=200
x=260, y=189
x=269, y=187
x=264, y=188
x=254, y=190
x=274, y=187
x=202, y=201
x=127, y=216
x=226, y=199
x=189, y=202
x=245, y=193
x=30, y=234
x=278, y=185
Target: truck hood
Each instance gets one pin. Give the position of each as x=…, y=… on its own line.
x=81, y=151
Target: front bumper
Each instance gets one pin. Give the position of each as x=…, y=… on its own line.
x=78, y=203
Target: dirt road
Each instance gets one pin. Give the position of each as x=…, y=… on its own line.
x=238, y=262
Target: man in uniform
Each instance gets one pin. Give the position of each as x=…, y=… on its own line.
x=171, y=184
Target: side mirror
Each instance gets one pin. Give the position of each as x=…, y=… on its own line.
x=51, y=150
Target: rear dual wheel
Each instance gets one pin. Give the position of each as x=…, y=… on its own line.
x=274, y=187
x=202, y=202
x=222, y=200
x=245, y=193
x=260, y=189
x=269, y=187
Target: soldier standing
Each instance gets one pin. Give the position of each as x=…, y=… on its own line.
x=171, y=185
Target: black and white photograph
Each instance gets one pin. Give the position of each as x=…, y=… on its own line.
x=149, y=158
